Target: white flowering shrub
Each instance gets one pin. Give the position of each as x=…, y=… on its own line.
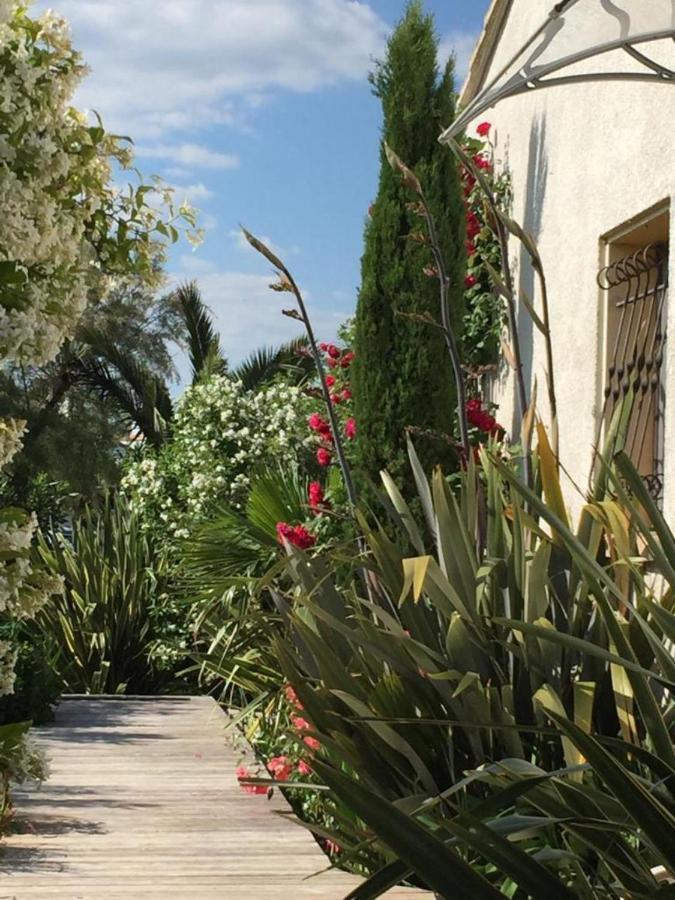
x=23, y=588
x=64, y=229
x=221, y=433
x=63, y=221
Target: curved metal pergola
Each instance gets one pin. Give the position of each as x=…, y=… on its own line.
x=578, y=30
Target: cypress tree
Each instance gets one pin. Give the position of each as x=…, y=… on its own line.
x=402, y=375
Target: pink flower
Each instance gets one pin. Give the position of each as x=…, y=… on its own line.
x=296, y=535
x=346, y=394
x=473, y=226
x=323, y=456
x=350, y=429
x=331, y=846
x=242, y=774
x=483, y=130
x=280, y=768
x=304, y=768
x=311, y=742
x=317, y=423
x=470, y=281
x=316, y=497
x=480, y=418
x=292, y=697
x=300, y=723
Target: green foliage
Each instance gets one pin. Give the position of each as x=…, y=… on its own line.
x=110, y=378
x=485, y=312
x=267, y=363
x=203, y=342
x=402, y=374
x=104, y=624
x=503, y=677
x=37, y=687
x=20, y=761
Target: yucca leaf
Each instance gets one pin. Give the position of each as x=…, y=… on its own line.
x=653, y=820
x=439, y=866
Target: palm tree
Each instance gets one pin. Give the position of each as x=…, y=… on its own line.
x=141, y=396
x=203, y=341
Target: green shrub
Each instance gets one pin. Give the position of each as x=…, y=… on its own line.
x=115, y=607
x=37, y=686
x=500, y=675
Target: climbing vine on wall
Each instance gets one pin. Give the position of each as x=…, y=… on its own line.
x=484, y=317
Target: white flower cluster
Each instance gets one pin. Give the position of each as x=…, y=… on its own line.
x=11, y=433
x=63, y=223
x=23, y=590
x=221, y=433
x=47, y=190
x=7, y=661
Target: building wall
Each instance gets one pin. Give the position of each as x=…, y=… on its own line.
x=584, y=161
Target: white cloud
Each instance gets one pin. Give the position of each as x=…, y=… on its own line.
x=462, y=44
x=249, y=315
x=192, y=265
x=192, y=192
x=165, y=68
x=189, y=155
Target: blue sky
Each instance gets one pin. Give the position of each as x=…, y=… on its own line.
x=261, y=113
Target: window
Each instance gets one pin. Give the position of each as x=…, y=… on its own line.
x=634, y=283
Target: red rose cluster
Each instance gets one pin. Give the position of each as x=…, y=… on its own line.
x=480, y=418
x=296, y=535
x=335, y=357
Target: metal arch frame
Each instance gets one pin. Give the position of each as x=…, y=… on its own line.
x=529, y=77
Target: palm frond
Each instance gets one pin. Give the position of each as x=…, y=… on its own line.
x=264, y=364
x=140, y=395
x=205, y=354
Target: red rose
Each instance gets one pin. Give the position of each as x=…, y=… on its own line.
x=296, y=535
x=333, y=351
x=470, y=248
x=350, y=429
x=482, y=161
x=330, y=380
x=473, y=226
x=336, y=398
x=315, y=497
x=346, y=394
x=483, y=130
x=317, y=423
x=323, y=456
x=331, y=363
x=323, y=346
x=346, y=359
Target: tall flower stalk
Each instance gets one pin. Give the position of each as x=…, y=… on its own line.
x=287, y=283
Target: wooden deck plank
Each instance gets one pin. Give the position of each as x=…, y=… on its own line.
x=143, y=802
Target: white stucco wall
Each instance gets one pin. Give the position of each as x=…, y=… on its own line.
x=584, y=160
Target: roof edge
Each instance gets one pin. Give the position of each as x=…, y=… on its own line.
x=483, y=54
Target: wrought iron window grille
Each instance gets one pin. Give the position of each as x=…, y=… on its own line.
x=637, y=286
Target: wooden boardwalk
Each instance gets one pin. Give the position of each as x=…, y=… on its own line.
x=143, y=802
